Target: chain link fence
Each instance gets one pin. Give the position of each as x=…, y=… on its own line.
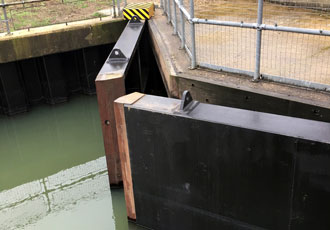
x=280, y=40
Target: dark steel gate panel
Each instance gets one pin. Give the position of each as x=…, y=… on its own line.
x=214, y=167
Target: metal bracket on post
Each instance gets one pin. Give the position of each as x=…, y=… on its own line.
x=187, y=103
x=185, y=100
x=117, y=57
x=135, y=20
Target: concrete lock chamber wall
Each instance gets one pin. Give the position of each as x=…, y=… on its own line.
x=53, y=78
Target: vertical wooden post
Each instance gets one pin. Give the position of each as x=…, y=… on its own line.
x=109, y=87
x=110, y=84
x=124, y=151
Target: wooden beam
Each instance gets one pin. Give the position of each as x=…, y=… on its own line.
x=110, y=84
x=109, y=87
x=124, y=151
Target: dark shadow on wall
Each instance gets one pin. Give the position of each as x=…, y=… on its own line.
x=143, y=74
x=50, y=79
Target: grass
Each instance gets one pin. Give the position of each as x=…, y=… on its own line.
x=80, y=4
x=97, y=15
x=53, y=12
x=29, y=17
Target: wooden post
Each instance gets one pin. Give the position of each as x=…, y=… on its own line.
x=110, y=84
x=109, y=87
x=124, y=151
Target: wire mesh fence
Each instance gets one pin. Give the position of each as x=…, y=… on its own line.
x=226, y=47
x=2, y=24
x=188, y=34
x=294, y=35
x=296, y=56
x=175, y=17
x=233, y=10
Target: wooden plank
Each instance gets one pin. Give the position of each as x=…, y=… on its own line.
x=110, y=84
x=108, y=89
x=124, y=151
x=130, y=98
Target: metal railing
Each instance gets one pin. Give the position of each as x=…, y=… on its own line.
x=5, y=20
x=26, y=10
x=296, y=60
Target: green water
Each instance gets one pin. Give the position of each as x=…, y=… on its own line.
x=53, y=172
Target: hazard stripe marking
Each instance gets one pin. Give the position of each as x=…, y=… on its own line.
x=146, y=11
x=138, y=14
x=126, y=16
x=143, y=13
x=140, y=10
x=129, y=12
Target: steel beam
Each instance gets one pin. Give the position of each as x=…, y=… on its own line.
x=110, y=84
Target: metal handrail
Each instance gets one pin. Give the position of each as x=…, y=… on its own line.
x=258, y=26
x=21, y=3
x=5, y=16
x=3, y=5
x=115, y=4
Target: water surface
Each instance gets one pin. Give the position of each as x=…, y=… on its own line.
x=53, y=172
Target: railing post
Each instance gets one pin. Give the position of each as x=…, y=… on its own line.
x=169, y=15
x=258, y=45
x=183, y=38
x=114, y=8
x=193, y=38
x=175, y=26
x=165, y=7
x=118, y=7
x=5, y=16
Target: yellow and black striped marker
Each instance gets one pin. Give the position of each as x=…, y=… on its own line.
x=143, y=11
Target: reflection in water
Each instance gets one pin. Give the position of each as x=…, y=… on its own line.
x=75, y=198
x=49, y=139
x=63, y=145
x=35, y=204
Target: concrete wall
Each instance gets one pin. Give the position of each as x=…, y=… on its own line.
x=59, y=38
